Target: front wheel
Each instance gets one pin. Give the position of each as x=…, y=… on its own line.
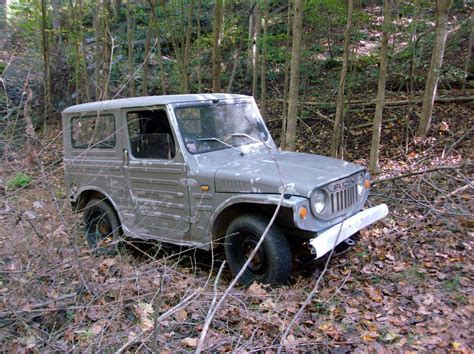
x=272, y=262
x=102, y=227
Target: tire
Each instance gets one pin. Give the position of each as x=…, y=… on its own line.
x=272, y=263
x=101, y=227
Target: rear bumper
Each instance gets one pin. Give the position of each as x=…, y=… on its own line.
x=331, y=237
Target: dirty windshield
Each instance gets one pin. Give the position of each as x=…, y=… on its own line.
x=212, y=127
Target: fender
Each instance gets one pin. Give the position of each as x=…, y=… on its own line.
x=75, y=196
x=268, y=199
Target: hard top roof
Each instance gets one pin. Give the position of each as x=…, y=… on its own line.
x=145, y=101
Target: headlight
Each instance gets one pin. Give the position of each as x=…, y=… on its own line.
x=319, y=202
x=360, y=184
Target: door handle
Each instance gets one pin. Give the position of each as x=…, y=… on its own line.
x=125, y=157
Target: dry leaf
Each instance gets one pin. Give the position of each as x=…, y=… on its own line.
x=374, y=294
x=268, y=304
x=181, y=315
x=190, y=342
x=256, y=289
x=96, y=329
x=144, y=310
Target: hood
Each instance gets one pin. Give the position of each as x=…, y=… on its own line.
x=267, y=173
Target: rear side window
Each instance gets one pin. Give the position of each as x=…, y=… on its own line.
x=93, y=131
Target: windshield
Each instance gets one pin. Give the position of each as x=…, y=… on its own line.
x=214, y=127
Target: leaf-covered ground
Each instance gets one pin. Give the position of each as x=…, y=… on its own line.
x=407, y=285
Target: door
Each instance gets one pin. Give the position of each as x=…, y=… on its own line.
x=156, y=175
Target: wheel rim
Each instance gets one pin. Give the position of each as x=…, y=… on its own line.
x=98, y=227
x=246, y=243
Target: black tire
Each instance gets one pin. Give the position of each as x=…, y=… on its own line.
x=272, y=263
x=101, y=227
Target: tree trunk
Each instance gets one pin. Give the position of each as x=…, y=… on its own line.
x=374, y=149
x=82, y=55
x=238, y=50
x=98, y=50
x=158, y=47
x=46, y=61
x=130, y=36
x=337, y=132
x=442, y=10
x=294, y=76
x=107, y=48
x=468, y=64
x=263, y=66
x=286, y=79
x=187, y=46
x=255, y=49
x=3, y=14
x=198, y=29
x=146, y=53
x=216, y=47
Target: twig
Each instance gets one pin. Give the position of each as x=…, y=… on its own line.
x=428, y=170
x=311, y=294
x=237, y=277
x=154, y=343
x=211, y=308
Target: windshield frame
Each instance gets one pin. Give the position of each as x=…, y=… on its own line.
x=204, y=103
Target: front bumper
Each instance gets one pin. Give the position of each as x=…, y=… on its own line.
x=331, y=237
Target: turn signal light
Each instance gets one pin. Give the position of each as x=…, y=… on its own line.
x=367, y=184
x=205, y=188
x=303, y=212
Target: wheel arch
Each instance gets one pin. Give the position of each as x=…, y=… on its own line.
x=88, y=193
x=228, y=211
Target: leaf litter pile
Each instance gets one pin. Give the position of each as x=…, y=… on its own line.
x=406, y=285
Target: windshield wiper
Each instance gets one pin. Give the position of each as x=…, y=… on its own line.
x=247, y=136
x=223, y=143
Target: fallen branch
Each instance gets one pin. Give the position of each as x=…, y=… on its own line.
x=372, y=103
x=428, y=170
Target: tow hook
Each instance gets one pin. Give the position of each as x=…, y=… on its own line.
x=350, y=242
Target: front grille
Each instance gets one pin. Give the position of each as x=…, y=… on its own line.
x=343, y=199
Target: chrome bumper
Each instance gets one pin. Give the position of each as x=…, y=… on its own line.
x=331, y=237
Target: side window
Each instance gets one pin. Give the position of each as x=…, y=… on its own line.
x=93, y=131
x=150, y=135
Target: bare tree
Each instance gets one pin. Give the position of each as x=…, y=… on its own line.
x=107, y=50
x=286, y=78
x=256, y=29
x=294, y=76
x=216, y=47
x=468, y=64
x=146, y=52
x=187, y=46
x=198, y=30
x=263, y=65
x=130, y=48
x=374, y=149
x=442, y=9
x=156, y=31
x=336, y=140
x=46, y=60
x=98, y=58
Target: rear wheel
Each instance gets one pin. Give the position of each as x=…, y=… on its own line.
x=272, y=262
x=102, y=227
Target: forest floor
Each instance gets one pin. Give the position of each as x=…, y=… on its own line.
x=406, y=285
